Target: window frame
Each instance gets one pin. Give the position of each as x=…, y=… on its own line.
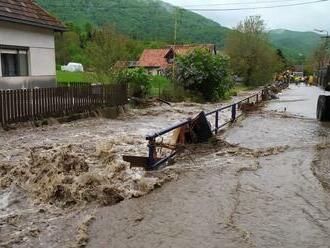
x=17, y=51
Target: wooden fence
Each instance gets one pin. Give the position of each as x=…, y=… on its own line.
x=33, y=104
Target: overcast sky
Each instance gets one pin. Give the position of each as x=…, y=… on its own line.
x=299, y=18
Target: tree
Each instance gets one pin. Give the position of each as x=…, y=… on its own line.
x=106, y=48
x=67, y=48
x=252, y=56
x=282, y=59
x=320, y=57
x=204, y=74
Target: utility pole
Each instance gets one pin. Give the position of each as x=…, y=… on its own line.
x=174, y=41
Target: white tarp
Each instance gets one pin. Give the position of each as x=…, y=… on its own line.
x=73, y=67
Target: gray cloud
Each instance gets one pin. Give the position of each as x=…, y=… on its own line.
x=299, y=18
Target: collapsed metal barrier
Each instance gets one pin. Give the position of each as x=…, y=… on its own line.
x=195, y=130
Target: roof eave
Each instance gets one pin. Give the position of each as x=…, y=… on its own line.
x=52, y=27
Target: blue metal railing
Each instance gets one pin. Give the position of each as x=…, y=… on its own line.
x=154, y=163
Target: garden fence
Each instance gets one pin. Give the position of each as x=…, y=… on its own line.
x=33, y=104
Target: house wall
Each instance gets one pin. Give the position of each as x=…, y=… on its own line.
x=41, y=55
x=153, y=70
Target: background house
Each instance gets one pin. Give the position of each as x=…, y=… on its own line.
x=184, y=49
x=27, y=46
x=157, y=61
x=154, y=60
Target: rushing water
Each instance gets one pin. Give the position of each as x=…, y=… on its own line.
x=230, y=198
x=32, y=162
x=264, y=183
x=286, y=203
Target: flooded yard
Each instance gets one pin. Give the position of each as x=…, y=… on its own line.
x=262, y=183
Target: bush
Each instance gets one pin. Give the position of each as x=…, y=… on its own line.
x=204, y=75
x=158, y=84
x=138, y=81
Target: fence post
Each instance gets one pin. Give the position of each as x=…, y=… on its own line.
x=257, y=98
x=216, y=122
x=233, y=112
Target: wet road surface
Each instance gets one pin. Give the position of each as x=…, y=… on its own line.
x=269, y=190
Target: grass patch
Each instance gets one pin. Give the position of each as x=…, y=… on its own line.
x=65, y=76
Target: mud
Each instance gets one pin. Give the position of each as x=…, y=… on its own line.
x=261, y=184
x=62, y=181
x=53, y=177
x=83, y=236
x=66, y=176
x=321, y=164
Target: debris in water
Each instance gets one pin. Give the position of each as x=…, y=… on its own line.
x=83, y=236
x=323, y=146
x=65, y=176
x=321, y=165
x=255, y=152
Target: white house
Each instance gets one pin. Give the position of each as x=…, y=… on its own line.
x=27, y=46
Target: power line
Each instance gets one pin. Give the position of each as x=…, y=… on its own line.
x=114, y=6
x=263, y=7
x=236, y=3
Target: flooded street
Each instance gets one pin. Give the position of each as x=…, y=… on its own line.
x=269, y=190
x=53, y=177
x=265, y=182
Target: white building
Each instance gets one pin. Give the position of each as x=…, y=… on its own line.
x=27, y=46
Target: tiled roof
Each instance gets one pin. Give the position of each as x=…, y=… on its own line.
x=158, y=57
x=28, y=12
x=154, y=58
x=184, y=49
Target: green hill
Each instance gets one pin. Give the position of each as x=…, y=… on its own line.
x=295, y=45
x=140, y=19
x=154, y=20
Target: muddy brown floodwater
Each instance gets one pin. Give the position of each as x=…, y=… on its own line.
x=269, y=190
x=265, y=182
x=52, y=178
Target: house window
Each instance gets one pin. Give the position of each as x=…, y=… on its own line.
x=14, y=63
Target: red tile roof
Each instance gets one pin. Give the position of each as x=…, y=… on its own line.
x=28, y=12
x=184, y=49
x=158, y=57
x=154, y=58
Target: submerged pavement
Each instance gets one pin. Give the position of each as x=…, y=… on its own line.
x=267, y=187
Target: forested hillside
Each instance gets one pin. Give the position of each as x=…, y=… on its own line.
x=153, y=20
x=295, y=45
x=139, y=19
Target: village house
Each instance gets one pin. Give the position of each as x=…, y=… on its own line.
x=27, y=46
x=157, y=61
